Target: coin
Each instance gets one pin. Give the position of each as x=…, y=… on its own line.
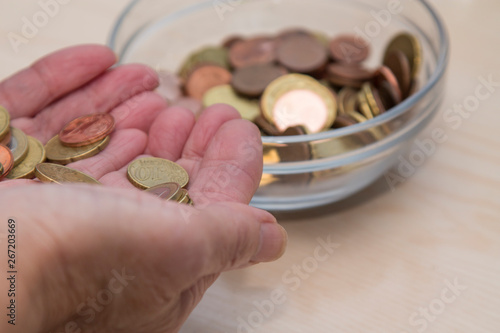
x=348, y=75
x=295, y=152
x=398, y=63
x=183, y=197
x=349, y=49
x=7, y=161
x=357, y=116
x=385, y=80
x=373, y=99
x=87, y=130
x=5, y=141
x=58, y=174
x=297, y=99
x=1, y=169
x=167, y=191
x=204, y=78
x=170, y=86
x=230, y=41
x=364, y=107
x=302, y=53
x=410, y=46
x=344, y=120
x=147, y=172
x=4, y=123
x=265, y=126
x=248, y=108
x=254, y=51
x=36, y=155
x=252, y=81
x=57, y=153
x=347, y=99
x=18, y=145
x=217, y=56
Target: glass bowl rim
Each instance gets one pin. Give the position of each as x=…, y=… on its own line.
x=441, y=65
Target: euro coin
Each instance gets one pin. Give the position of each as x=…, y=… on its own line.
x=6, y=160
x=59, y=174
x=87, y=130
x=167, y=191
x=36, y=155
x=18, y=145
x=248, y=108
x=4, y=123
x=410, y=46
x=60, y=154
x=148, y=172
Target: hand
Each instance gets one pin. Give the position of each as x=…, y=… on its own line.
x=113, y=258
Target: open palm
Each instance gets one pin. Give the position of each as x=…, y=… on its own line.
x=174, y=252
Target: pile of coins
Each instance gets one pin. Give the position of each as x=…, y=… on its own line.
x=297, y=79
x=23, y=157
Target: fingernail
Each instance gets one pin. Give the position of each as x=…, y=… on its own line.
x=273, y=242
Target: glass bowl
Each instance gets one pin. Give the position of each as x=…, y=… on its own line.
x=162, y=33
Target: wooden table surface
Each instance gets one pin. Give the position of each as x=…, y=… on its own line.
x=424, y=257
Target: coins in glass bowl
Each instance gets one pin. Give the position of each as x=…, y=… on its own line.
x=298, y=78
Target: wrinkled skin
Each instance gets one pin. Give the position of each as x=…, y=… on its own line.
x=112, y=258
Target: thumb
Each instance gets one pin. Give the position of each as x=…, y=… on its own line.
x=233, y=235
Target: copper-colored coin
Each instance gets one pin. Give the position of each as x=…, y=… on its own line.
x=410, y=46
x=349, y=49
x=294, y=152
x=259, y=50
x=6, y=160
x=348, y=75
x=302, y=53
x=87, y=130
x=384, y=74
x=252, y=81
x=230, y=41
x=344, y=120
x=204, y=78
x=398, y=63
x=167, y=191
x=266, y=127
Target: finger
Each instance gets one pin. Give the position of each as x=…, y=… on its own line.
x=207, y=125
x=102, y=95
x=170, y=132
x=124, y=146
x=8, y=183
x=32, y=89
x=139, y=112
x=232, y=166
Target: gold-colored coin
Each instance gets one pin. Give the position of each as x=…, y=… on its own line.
x=358, y=116
x=209, y=55
x=56, y=173
x=364, y=106
x=297, y=99
x=248, y=108
x=411, y=47
x=4, y=123
x=370, y=98
x=18, y=145
x=60, y=154
x=347, y=100
x=184, y=197
x=147, y=172
x=36, y=155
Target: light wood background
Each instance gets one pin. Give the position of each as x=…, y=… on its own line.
x=398, y=250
